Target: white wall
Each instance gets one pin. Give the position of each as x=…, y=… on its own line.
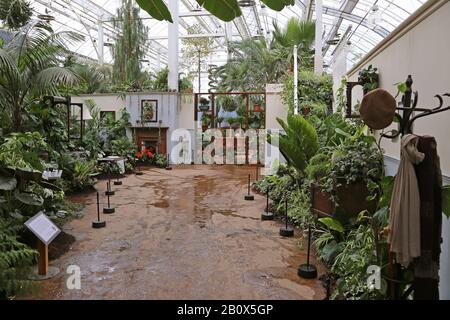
x=274, y=106
x=421, y=49
x=106, y=102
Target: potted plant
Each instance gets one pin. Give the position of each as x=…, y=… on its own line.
x=356, y=167
x=204, y=104
x=206, y=121
x=317, y=170
x=369, y=78
x=228, y=103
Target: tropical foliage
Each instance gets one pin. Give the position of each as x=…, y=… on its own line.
x=130, y=45
x=33, y=56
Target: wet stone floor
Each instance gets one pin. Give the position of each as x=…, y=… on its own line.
x=181, y=234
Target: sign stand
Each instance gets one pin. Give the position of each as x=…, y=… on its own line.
x=168, y=167
x=109, y=191
x=286, y=231
x=98, y=224
x=138, y=172
x=248, y=196
x=308, y=271
x=45, y=231
x=267, y=215
x=118, y=182
x=109, y=209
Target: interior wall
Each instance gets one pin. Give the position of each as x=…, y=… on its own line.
x=106, y=102
x=274, y=106
x=422, y=52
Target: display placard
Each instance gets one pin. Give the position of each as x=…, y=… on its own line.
x=43, y=227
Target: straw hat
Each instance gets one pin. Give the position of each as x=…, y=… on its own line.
x=378, y=109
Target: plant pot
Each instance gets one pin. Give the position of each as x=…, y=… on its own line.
x=352, y=199
x=321, y=203
x=257, y=107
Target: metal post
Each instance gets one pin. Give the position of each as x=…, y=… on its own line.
x=98, y=224
x=295, y=79
x=173, y=45
x=318, y=58
x=100, y=42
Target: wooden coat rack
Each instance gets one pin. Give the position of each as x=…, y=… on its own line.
x=407, y=113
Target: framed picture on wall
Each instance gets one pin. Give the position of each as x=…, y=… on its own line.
x=149, y=110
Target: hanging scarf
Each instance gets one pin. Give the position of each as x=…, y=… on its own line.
x=404, y=219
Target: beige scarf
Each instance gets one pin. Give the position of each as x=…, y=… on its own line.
x=404, y=219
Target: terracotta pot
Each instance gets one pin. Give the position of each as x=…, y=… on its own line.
x=352, y=198
x=321, y=202
x=257, y=107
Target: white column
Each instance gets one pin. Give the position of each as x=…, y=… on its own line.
x=100, y=42
x=295, y=80
x=173, y=45
x=318, y=58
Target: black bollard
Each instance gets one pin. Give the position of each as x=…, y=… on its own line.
x=98, y=224
x=109, y=209
x=308, y=271
x=168, y=167
x=118, y=182
x=109, y=191
x=248, y=196
x=138, y=172
x=267, y=215
x=286, y=231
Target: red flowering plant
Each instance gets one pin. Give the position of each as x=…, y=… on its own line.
x=144, y=156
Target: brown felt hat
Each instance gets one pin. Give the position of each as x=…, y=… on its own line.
x=378, y=109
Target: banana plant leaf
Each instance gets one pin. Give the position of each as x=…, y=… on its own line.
x=156, y=8
x=225, y=10
x=278, y=5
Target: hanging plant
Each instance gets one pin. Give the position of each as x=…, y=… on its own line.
x=228, y=103
x=369, y=78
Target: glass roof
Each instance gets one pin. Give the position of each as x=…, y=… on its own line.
x=364, y=23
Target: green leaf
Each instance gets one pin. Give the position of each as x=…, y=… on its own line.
x=156, y=8
x=225, y=10
x=278, y=5
x=343, y=133
x=7, y=183
x=401, y=87
x=29, y=198
x=446, y=200
x=332, y=224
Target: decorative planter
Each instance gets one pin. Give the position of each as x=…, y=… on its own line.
x=352, y=199
x=321, y=203
x=203, y=107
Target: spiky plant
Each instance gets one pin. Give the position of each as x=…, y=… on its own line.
x=299, y=142
x=31, y=68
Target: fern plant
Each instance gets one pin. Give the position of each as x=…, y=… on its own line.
x=15, y=260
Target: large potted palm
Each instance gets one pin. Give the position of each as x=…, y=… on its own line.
x=31, y=67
